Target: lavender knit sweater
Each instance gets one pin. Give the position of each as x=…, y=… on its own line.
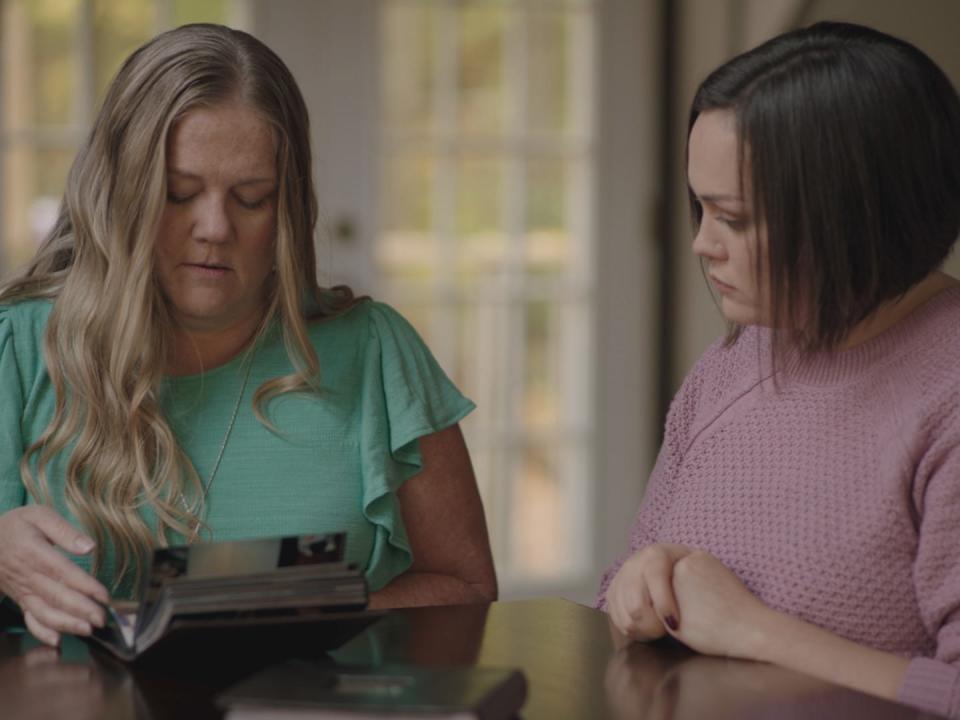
x=834, y=497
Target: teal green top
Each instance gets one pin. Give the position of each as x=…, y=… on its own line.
x=336, y=463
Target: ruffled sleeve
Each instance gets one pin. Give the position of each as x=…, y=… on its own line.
x=405, y=396
x=12, y=392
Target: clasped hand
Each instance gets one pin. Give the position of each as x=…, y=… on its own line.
x=54, y=594
x=689, y=594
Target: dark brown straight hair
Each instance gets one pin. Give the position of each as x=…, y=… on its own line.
x=850, y=142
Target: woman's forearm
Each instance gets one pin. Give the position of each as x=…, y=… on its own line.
x=421, y=588
x=792, y=643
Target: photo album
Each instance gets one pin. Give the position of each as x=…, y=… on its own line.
x=282, y=580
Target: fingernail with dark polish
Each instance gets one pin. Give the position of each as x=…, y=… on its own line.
x=672, y=623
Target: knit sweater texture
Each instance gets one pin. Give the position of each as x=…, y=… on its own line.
x=832, y=493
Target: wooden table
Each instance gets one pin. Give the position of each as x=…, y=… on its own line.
x=565, y=650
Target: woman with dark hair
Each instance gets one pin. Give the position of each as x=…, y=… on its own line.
x=171, y=372
x=803, y=509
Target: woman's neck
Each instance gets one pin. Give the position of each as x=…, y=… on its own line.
x=890, y=313
x=196, y=350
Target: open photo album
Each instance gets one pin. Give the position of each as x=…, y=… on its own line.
x=280, y=580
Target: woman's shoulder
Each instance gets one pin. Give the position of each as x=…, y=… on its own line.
x=22, y=327
x=364, y=319
x=727, y=367
x=732, y=360
x=934, y=324
x=26, y=313
x=924, y=366
x=25, y=320
x=923, y=349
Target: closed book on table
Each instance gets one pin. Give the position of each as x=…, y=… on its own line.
x=299, y=690
x=215, y=590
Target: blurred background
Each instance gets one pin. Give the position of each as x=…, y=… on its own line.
x=509, y=174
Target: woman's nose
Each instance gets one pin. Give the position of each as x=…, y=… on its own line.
x=706, y=245
x=212, y=223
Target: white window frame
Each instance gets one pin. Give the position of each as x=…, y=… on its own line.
x=333, y=50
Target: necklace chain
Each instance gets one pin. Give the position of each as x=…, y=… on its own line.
x=233, y=419
x=226, y=437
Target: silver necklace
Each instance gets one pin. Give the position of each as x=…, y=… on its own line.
x=233, y=419
x=226, y=438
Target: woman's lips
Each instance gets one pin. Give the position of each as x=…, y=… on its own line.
x=722, y=287
x=212, y=272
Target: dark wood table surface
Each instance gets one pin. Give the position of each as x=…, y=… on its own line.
x=566, y=651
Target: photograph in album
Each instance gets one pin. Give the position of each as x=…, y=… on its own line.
x=192, y=589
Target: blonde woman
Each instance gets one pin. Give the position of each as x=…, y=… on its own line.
x=171, y=372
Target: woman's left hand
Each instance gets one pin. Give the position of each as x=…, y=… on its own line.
x=718, y=615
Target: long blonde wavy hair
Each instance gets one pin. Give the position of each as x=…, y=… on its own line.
x=106, y=366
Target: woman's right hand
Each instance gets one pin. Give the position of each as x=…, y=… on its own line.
x=54, y=594
x=640, y=598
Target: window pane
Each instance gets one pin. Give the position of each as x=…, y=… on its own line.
x=408, y=206
x=119, y=28
x=407, y=262
x=480, y=83
x=52, y=166
x=17, y=166
x=549, y=70
x=538, y=516
x=30, y=203
x=409, y=49
x=482, y=357
x=481, y=329
x=548, y=239
x=479, y=189
x=50, y=62
x=502, y=218
x=406, y=252
x=546, y=195
x=470, y=317
x=481, y=243
x=541, y=391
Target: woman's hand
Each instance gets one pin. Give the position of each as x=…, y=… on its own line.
x=640, y=598
x=718, y=614
x=55, y=595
